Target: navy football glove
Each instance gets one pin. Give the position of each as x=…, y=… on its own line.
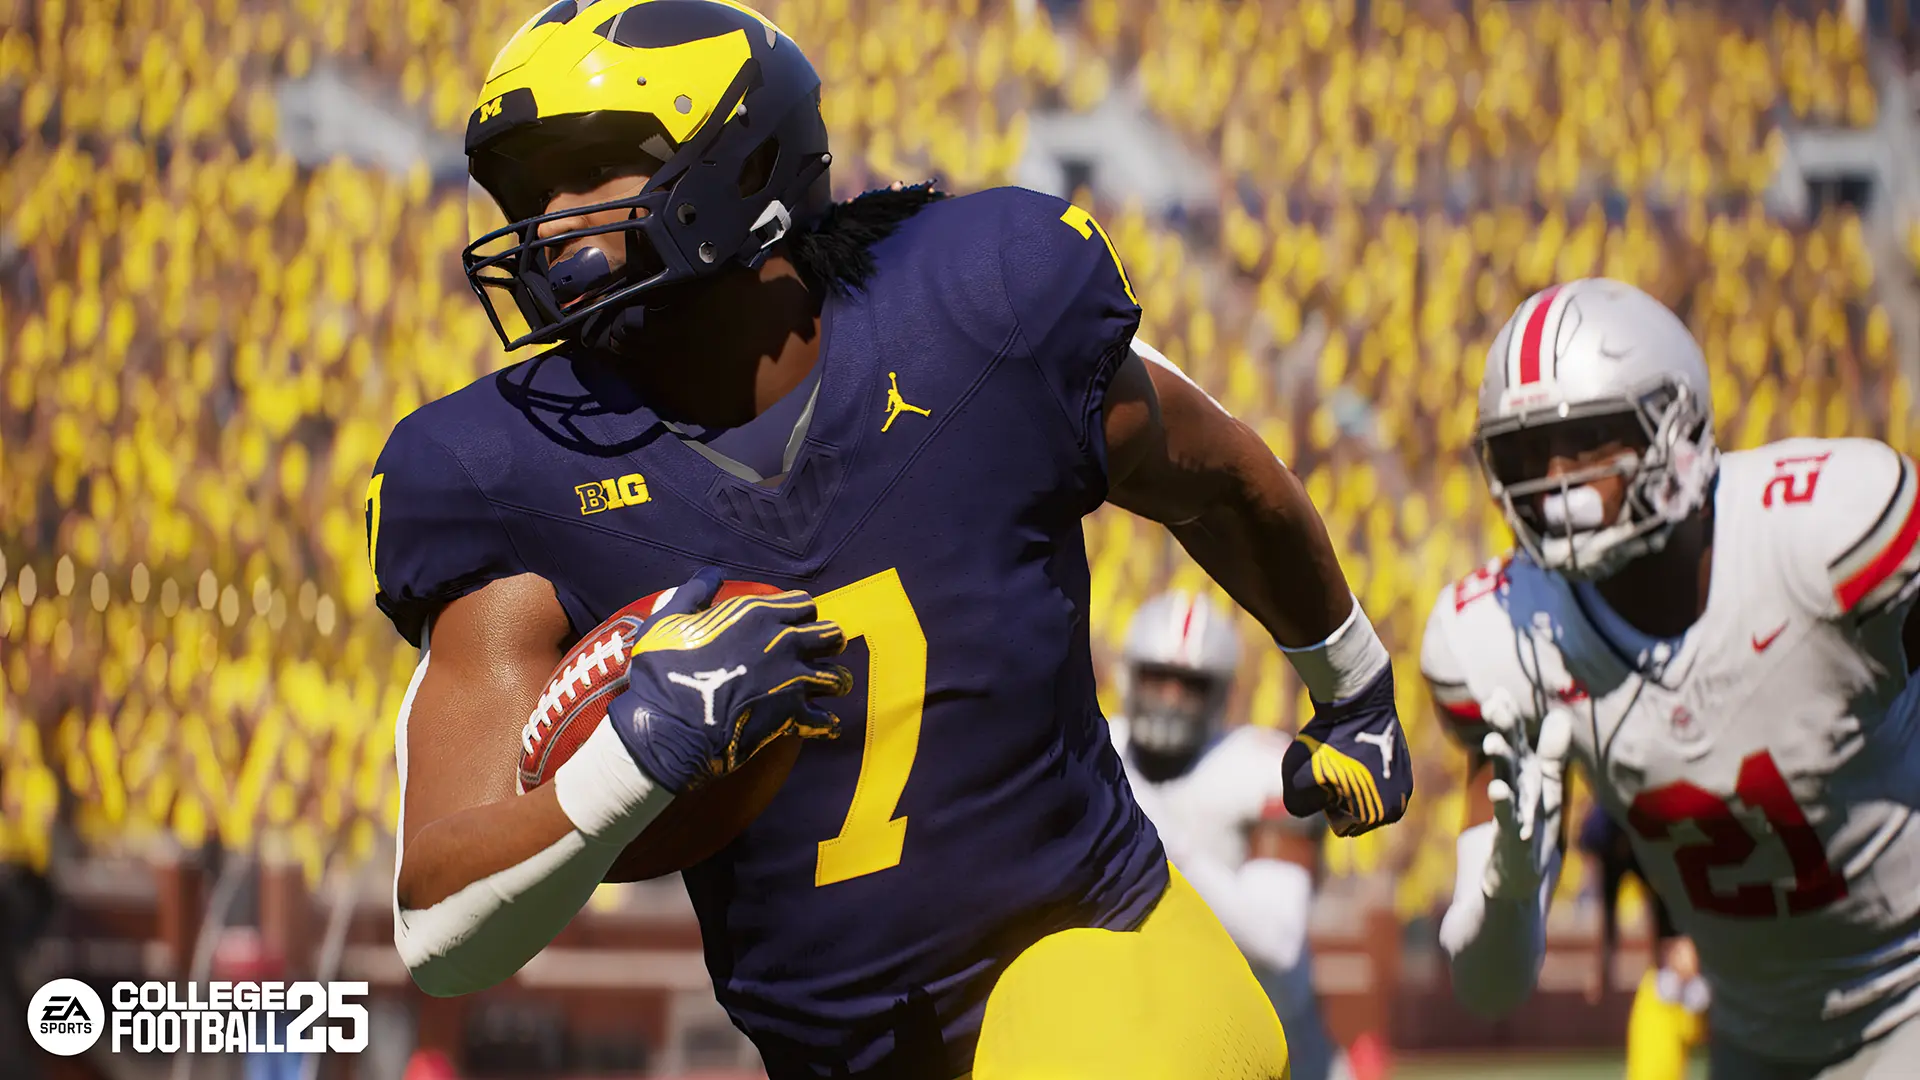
x=1351, y=762
x=708, y=688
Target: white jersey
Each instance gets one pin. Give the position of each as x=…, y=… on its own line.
x=1214, y=806
x=1765, y=764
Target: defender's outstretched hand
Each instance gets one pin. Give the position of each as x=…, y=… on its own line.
x=1528, y=791
x=710, y=687
x=1351, y=762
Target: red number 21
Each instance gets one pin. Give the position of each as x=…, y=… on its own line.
x=1795, y=477
x=1729, y=844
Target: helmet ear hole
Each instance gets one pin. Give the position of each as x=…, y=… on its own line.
x=757, y=169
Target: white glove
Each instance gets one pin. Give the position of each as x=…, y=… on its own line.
x=1528, y=790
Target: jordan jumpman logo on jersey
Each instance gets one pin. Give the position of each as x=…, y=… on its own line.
x=897, y=404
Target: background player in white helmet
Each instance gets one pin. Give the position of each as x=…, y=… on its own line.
x=1717, y=640
x=1215, y=797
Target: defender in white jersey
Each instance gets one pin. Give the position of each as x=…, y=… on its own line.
x=1215, y=797
x=1721, y=643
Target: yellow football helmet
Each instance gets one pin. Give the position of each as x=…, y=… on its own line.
x=707, y=96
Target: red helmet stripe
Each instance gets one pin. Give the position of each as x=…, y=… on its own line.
x=1186, y=623
x=1530, y=338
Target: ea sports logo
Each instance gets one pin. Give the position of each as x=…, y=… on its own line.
x=66, y=1017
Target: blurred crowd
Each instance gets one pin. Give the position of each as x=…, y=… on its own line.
x=203, y=343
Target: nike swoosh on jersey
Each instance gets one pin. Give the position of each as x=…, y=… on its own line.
x=1760, y=643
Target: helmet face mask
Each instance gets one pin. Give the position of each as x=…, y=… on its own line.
x=549, y=291
x=1171, y=710
x=704, y=99
x=1564, y=518
x=1626, y=410
x=1179, y=660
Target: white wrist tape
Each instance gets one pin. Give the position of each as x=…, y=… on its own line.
x=604, y=792
x=1342, y=665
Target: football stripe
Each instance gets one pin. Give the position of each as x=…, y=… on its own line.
x=1890, y=558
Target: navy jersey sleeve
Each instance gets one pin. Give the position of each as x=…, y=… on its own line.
x=1072, y=303
x=432, y=535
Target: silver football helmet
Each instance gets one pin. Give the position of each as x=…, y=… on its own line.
x=1578, y=367
x=1181, y=655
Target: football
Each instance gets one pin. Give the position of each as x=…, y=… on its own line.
x=694, y=826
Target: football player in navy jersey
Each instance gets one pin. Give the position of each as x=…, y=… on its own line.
x=899, y=409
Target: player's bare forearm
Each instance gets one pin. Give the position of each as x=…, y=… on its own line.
x=491, y=652
x=1176, y=457
x=470, y=845
x=486, y=877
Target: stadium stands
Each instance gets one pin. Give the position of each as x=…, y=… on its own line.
x=204, y=344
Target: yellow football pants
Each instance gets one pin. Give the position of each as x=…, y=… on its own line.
x=1172, y=1000
x=1660, y=1034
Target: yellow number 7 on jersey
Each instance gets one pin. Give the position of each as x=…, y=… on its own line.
x=877, y=609
x=1083, y=223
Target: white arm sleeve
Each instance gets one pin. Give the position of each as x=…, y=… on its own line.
x=483, y=934
x=1495, y=947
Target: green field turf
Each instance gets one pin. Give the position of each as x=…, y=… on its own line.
x=1521, y=1067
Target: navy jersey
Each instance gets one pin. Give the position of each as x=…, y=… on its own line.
x=974, y=802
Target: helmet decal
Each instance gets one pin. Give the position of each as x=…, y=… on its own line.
x=721, y=113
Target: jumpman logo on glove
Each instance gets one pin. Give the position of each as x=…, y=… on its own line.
x=1382, y=742
x=706, y=682
x=1324, y=771
x=762, y=665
